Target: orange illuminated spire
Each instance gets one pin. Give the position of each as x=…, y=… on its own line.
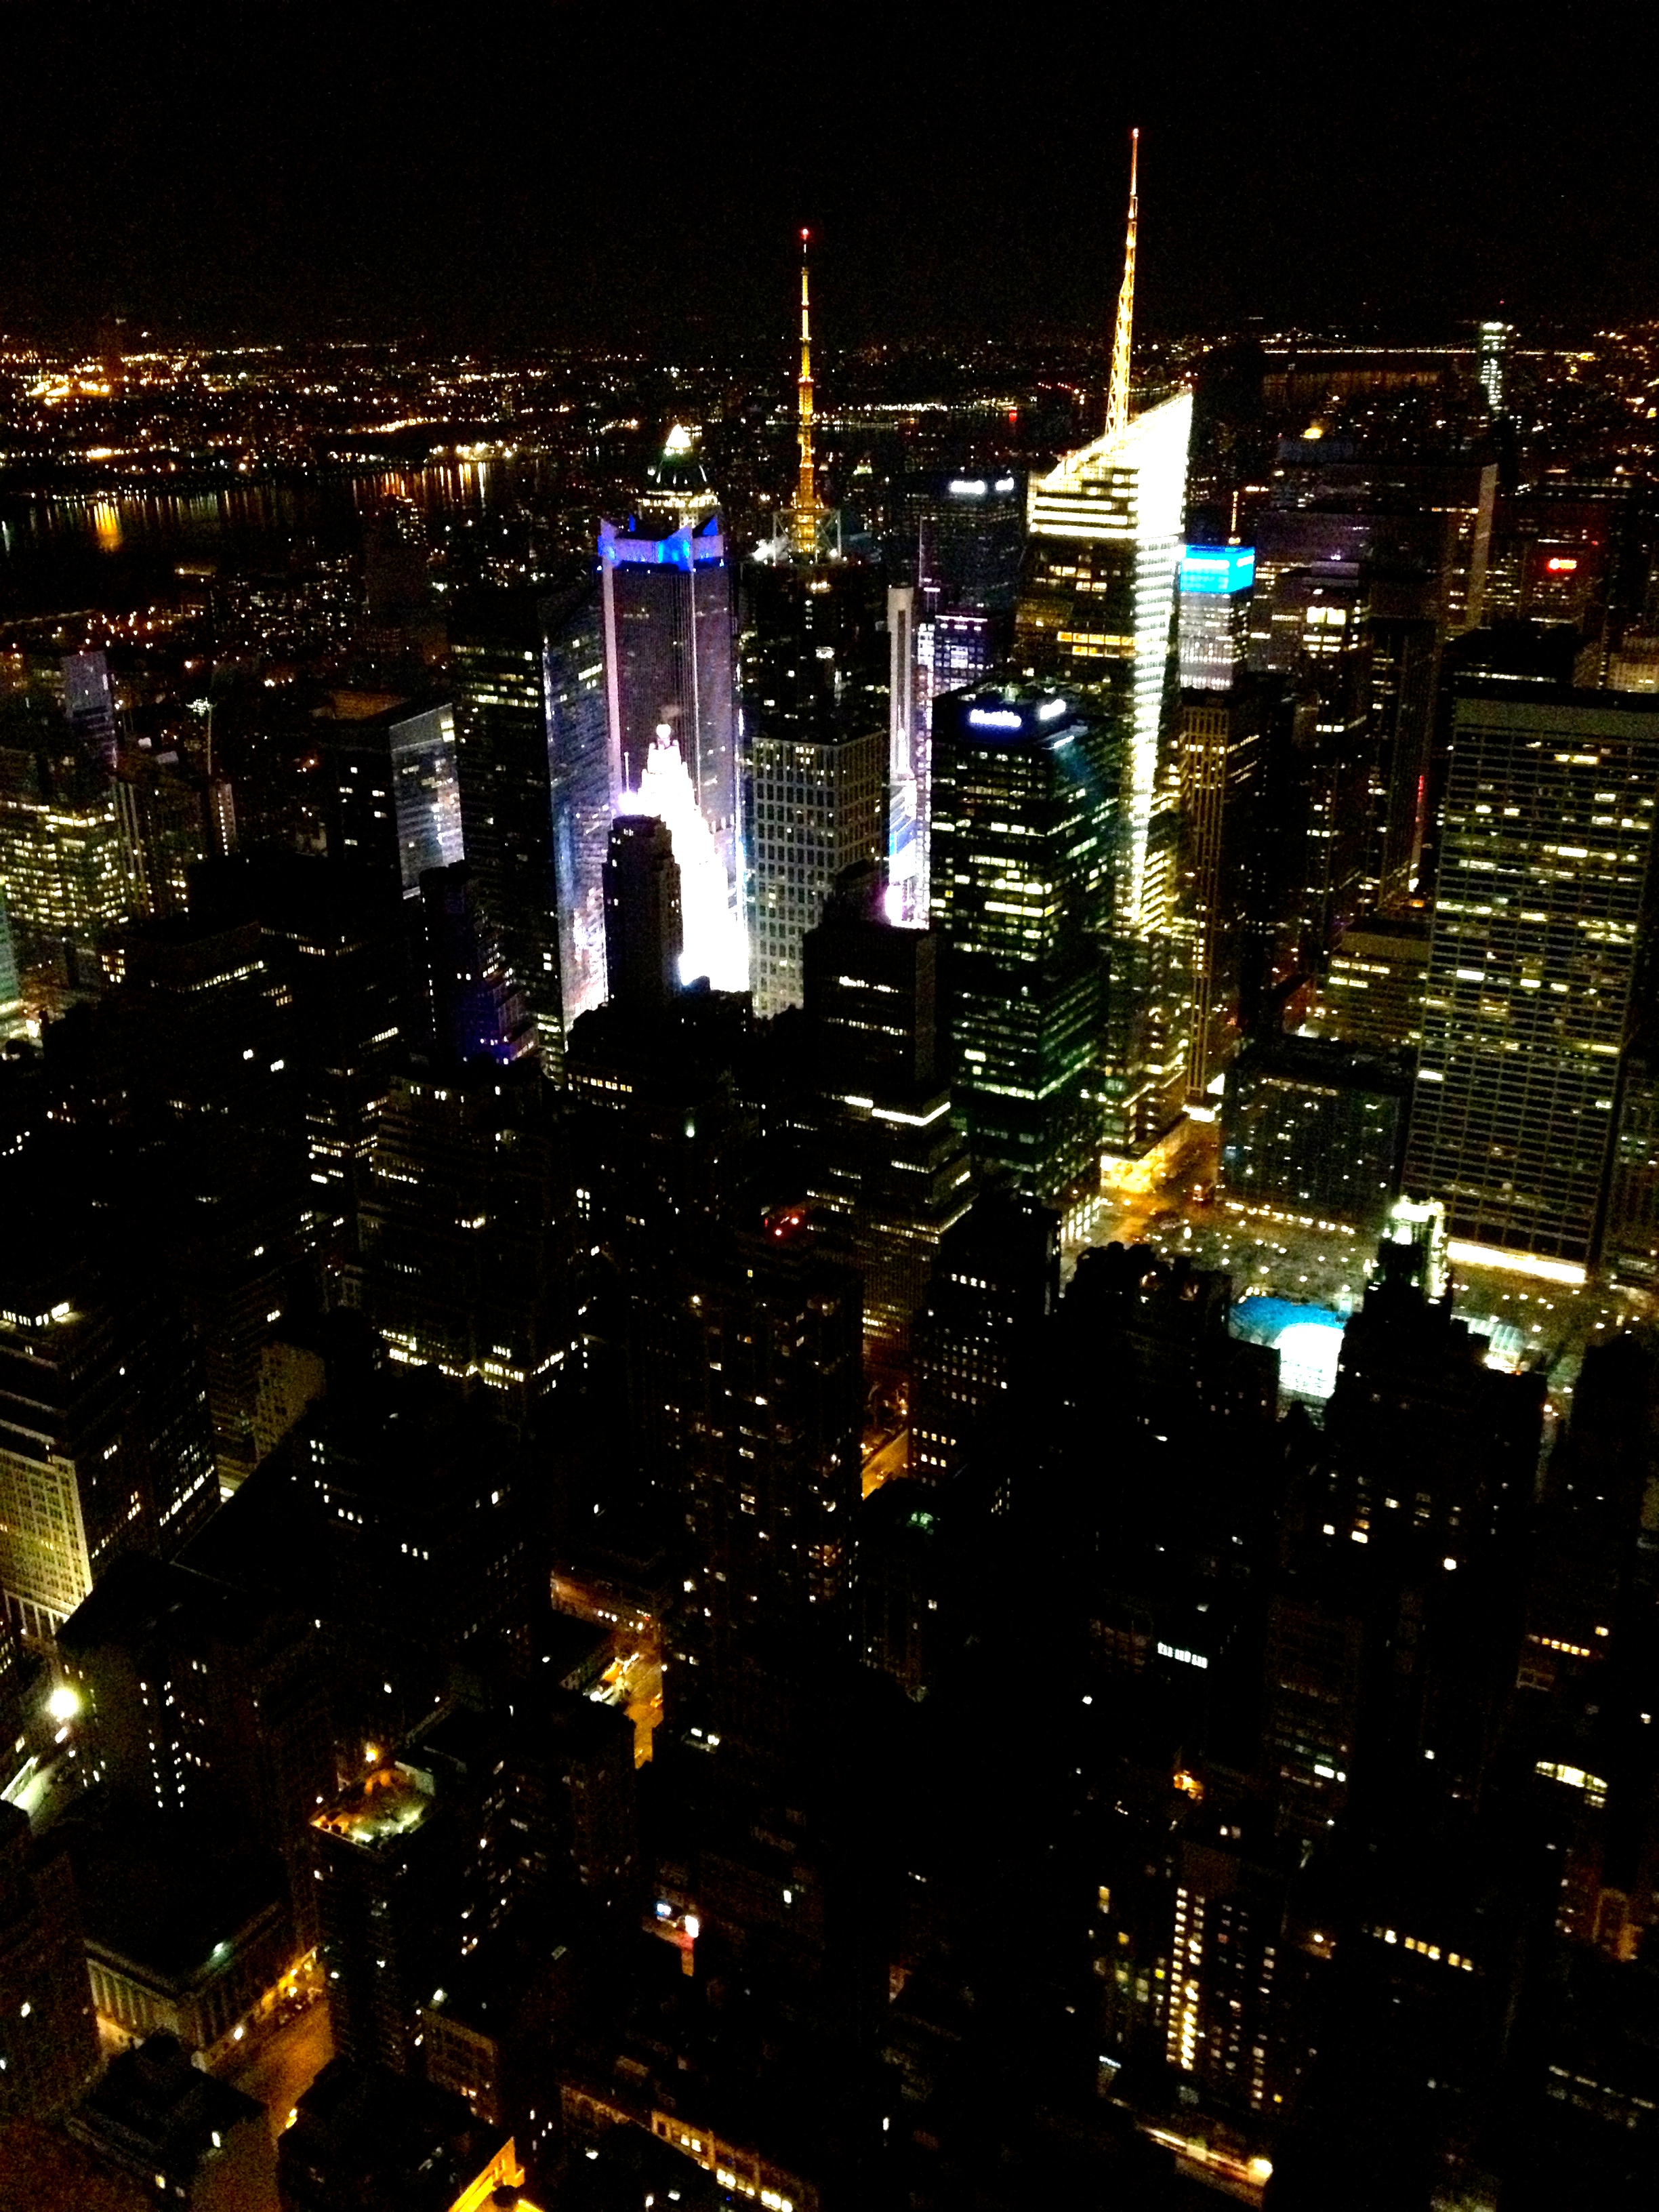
x=1117, y=402
x=806, y=496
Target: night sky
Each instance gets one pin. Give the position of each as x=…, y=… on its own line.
x=488, y=174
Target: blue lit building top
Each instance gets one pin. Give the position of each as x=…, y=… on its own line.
x=1216, y=571
x=686, y=548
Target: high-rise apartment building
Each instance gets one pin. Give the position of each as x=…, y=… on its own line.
x=465, y=1228
x=468, y=1006
x=201, y=1043
x=384, y=1859
x=1027, y=784
x=765, y=1391
x=502, y=660
x=887, y=1163
x=995, y=1282
x=1532, y=1000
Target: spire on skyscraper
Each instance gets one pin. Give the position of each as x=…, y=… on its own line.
x=1117, y=402
x=806, y=530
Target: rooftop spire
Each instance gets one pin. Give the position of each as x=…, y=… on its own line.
x=1117, y=404
x=806, y=496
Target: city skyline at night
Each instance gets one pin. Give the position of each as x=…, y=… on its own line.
x=828, y=1113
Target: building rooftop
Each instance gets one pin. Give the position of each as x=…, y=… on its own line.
x=386, y=1804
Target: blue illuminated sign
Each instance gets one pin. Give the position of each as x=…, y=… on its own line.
x=1216, y=571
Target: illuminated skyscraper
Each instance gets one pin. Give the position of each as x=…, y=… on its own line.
x=586, y=787
x=501, y=659
x=1495, y=341
x=1532, y=1000
x=669, y=667
x=394, y=802
x=1098, y=611
x=104, y=1444
x=1026, y=786
x=89, y=703
x=906, y=792
x=1099, y=608
x=1222, y=758
x=817, y=742
x=64, y=863
x=1214, y=627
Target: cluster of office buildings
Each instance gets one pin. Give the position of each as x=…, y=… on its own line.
x=556, y=1514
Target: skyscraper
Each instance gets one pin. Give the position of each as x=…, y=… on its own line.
x=1494, y=341
x=816, y=740
x=1222, y=749
x=1216, y=582
x=643, y=937
x=1027, y=786
x=48, y=2030
x=887, y=1163
x=65, y=866
x=586, y=785
x=669, y=663
x=1544, y=883
x=90, y=705
x=104, y=1440
x=1098, y=609
x=503, y=655
x=394, y=802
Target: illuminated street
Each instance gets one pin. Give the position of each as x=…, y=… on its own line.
x=887, y=1457
x=284, y=2067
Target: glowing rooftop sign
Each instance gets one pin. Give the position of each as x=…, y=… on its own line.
x=1216, y=571
x=1015, y=718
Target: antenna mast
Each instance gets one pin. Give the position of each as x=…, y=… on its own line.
x=1117, y=402
x=807, y=497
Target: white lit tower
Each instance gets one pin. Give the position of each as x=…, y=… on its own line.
x=1096, y=612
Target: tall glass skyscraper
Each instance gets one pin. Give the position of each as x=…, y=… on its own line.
x=1097, y=607
x=1545, y=880
x=669, y=660
x=585, y=785
x=1097, y=612
x=1027, y=784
